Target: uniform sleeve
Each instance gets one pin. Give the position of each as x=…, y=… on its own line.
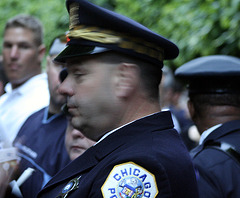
x=208, y=184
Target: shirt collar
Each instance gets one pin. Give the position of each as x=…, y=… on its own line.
x=207, y=132
x=25, y=86
x=114, y=130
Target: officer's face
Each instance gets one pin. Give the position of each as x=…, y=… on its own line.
x=92, y=101
x=21, y=55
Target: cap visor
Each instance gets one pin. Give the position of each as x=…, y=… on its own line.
x=78, y=50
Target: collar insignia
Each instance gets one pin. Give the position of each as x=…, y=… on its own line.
x=71, y=185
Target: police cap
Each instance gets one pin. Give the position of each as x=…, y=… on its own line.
x=211, y=74
x=94, y=29
x=58, y=44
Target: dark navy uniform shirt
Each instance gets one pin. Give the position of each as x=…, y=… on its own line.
x=218, y=173
x=145, y=158
x=41, y=145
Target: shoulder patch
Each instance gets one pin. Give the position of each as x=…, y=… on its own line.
x=129, y=180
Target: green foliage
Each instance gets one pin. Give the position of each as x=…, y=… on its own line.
x=198, y=27
x=53, y=15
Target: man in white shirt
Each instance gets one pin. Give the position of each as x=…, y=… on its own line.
x=27, y=90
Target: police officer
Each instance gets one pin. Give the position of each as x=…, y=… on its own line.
x=113, y=66
x=214, y=105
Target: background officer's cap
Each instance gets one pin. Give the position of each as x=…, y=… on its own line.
x=93, y=29
x=211, y=74
x=57, y=44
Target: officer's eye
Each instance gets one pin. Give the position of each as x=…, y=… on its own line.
x=78, y=74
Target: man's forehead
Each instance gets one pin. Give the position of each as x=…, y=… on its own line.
x=19, y=34
x=18, y=30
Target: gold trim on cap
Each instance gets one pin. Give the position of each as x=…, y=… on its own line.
x=89, y=34
x=73, y=15
x=99, y=35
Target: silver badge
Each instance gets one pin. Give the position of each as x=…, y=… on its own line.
x=71, y=185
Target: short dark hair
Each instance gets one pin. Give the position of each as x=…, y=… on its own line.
x=28, y=22
x=201, y=102
x=150, y=74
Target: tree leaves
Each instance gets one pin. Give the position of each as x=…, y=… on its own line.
x=198, y=27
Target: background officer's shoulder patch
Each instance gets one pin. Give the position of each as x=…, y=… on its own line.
x=129, y=180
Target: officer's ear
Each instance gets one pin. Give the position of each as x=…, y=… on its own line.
x=127, y=79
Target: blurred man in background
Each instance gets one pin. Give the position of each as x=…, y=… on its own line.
x=27, y=90
x=173, y=97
